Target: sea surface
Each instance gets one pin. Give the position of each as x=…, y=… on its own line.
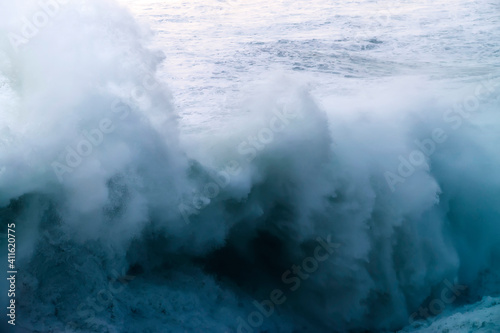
x=250, y=166
x=215, y=49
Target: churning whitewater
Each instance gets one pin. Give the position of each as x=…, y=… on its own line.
x=230, y=166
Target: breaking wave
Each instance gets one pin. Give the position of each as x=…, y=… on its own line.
x=345, y=214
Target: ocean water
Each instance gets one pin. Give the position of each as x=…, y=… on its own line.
x=251, y=166
x=214, y=49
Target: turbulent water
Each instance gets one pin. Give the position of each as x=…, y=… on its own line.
x=251, y=166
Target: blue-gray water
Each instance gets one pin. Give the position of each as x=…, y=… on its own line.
x=251, y=166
